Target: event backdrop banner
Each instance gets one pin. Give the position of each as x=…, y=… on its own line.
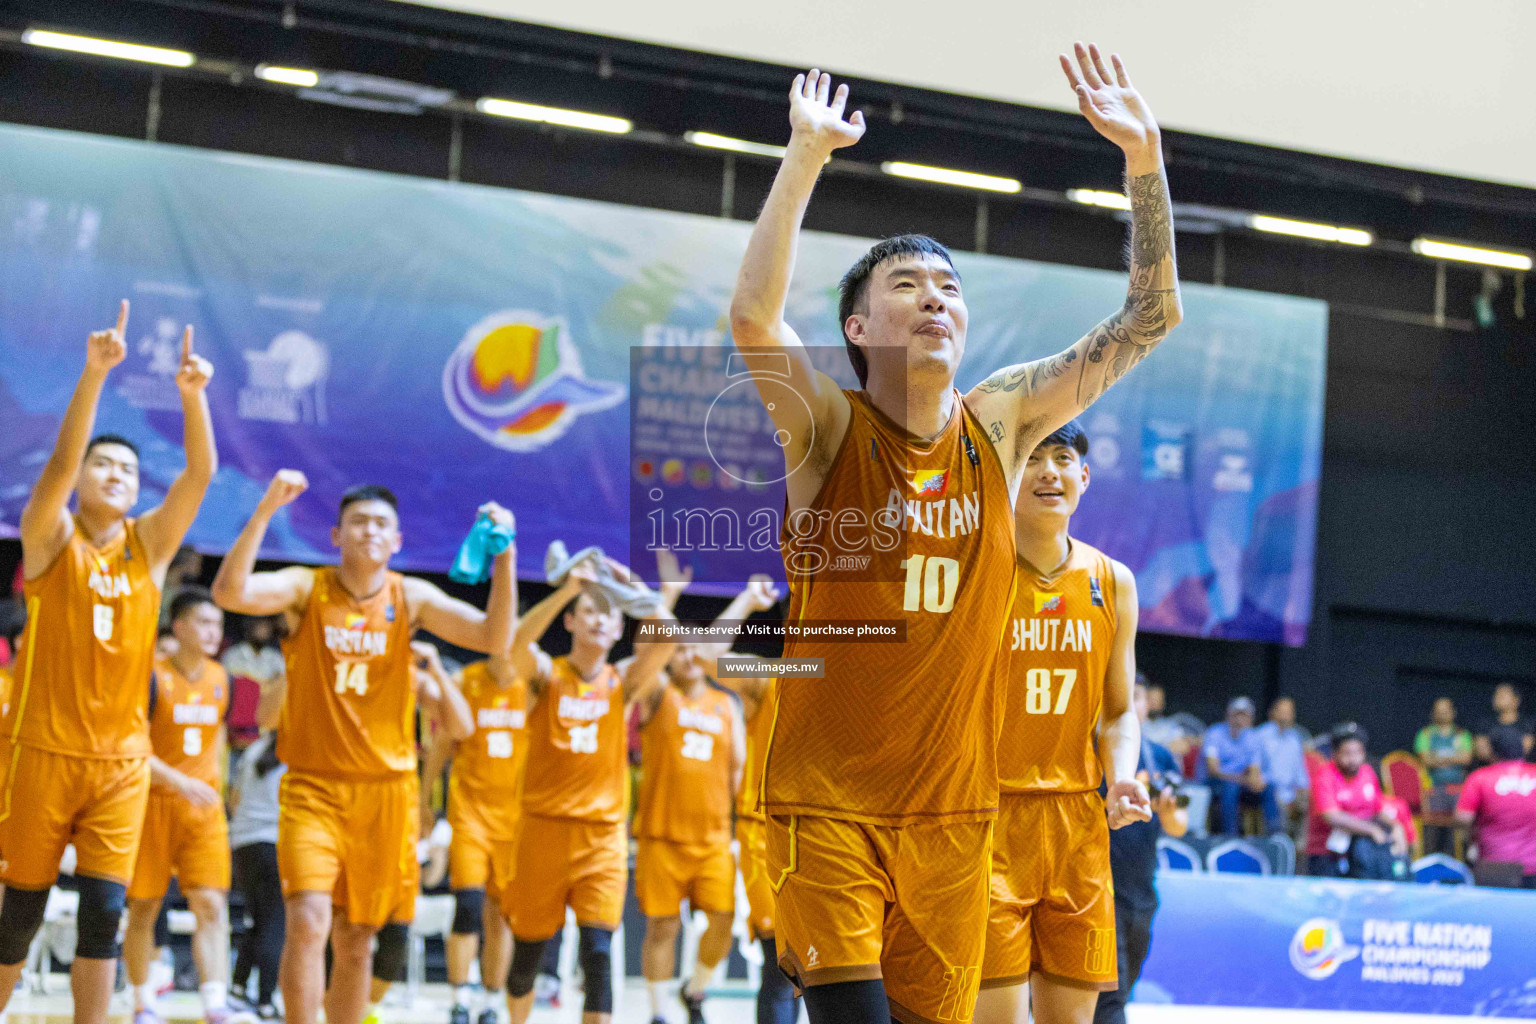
x=461, y=343
x=1315, y=944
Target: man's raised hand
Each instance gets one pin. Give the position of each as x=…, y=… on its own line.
x=1108, y=100
x=286, y=485
x=819, y=120
x=105, y=349
x=195, y=371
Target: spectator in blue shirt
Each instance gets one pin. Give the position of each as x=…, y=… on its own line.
x=1234, y=766
x=1285, y=762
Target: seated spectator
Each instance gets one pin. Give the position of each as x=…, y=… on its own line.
x=1499, y=802
x=1445, y=749
x=1285, y=762
x=1506, y=721
x=1351, y=833
x=1165, y=730
x=1234, y=767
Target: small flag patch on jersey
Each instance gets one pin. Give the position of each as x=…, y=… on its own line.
x=1049, y=604
x=930, y=483
x=1096, y=592
x=355, y=621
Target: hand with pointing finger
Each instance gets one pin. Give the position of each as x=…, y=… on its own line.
x=105, y=349
x=195, y=372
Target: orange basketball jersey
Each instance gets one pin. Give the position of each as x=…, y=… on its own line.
x=184, y=725
x=577, y=747
x=685, y=769
x=492, y=758
x=351, y=705
x=1060, y=639
x=759, y=729
x=898, y=733
x=82, y=679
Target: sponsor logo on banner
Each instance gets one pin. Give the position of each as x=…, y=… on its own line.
x=516, y=381
x=1234, y=474
x=285, y=382
x=1318, y=948
x=154, y=385
x=1165, y=450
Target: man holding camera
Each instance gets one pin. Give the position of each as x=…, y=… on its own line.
x=1133, y=862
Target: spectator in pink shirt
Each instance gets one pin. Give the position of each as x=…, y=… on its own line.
x=1351, y=833
x=1500, y=802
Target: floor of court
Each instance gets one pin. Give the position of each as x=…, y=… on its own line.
x=730, y=1006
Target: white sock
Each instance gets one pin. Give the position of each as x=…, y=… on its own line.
x=463, y=995
x=215, y=995
x=144, y=996
x=700, y=980
x=658, y=991
x=496, y=1002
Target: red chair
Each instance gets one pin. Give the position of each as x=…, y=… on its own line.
x=1191, y=761
x=1403, y=777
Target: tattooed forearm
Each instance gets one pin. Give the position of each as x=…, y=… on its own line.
x=1151, y=222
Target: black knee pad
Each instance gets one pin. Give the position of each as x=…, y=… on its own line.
x=468, y=905
x=389, y=953
x=21, y=915
x=595, y=951
x=526, y=957
x=97, y=920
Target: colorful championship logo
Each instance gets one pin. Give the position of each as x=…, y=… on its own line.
x=516, y=381
x=930, y=483
x=1049, y=604
x=1318, y=948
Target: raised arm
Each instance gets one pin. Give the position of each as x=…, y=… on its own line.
x=461, y=623
x=642, y=672
x=672, y=579
x=45, y=521
x=529, y=659
x=1022, y=404
x=162, y=528
x=238, y=587
x=1119, y=730
x=445, y=701
x=758, y=595
x=762, y=286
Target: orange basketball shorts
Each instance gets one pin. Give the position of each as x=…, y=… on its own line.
x=355, y=839
x=483, y=853
x=563, y=862
x=48, y=801
x=1053, y=902
x=906, y=904
x=752, y=850
x=191, y=842
x=667, y=873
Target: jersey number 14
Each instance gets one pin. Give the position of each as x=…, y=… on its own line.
x=353, y=676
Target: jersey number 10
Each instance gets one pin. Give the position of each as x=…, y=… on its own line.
x=931, y=583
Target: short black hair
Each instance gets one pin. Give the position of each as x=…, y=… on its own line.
x=1069, y=435
x=101, y=439
x=1342, y=734
x=189, y=597
x=368, y=492
x=854, y=284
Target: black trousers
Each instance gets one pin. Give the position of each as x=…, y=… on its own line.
x=261, y=947
x=1133, y=937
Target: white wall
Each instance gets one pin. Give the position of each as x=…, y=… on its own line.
x=1440, y=85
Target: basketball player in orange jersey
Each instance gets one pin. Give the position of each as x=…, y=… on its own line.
x=1068, y=725
x=485, y=791
x=693, y=749
x=185, y=832
x=74, y=743
x=881, y=778
x=573, y=850
x=348, y=803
